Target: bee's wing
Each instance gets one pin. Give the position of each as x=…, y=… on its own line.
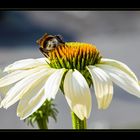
x=60, y=39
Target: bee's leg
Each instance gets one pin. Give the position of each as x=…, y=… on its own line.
x=44, y=52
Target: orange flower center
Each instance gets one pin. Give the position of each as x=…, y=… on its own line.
x=74, y=55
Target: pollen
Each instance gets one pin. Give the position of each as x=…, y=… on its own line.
x=74, y=55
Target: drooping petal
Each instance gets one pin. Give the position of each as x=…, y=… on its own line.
x=120, y=66
x=1, y=73
x=3, y=90
x=122, y=79
x=16, y=92
x=32, y=100
x=25, y=64
x=53, y=83
x=36, y=97
x=102, y=85
x=17, y=75
x=77, y=94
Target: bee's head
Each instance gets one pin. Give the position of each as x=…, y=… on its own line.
x=49, y=42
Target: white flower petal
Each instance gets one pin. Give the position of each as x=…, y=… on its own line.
x=102, y=85
x=35, y=98
x=122, y=79
x=25, y=64
x=4, y=90
x=32, y=100
x=77, y=94
x=17, y=75
x=43, y=60
x=120, y=66
x=53, y=82
x=1, y=73
x=16, y=92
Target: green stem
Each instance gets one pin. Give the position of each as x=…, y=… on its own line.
x=42, y=124
x=77, y=123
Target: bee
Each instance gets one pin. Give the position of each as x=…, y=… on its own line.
x=49, y=42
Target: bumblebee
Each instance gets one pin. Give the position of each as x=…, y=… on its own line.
x=49, y=42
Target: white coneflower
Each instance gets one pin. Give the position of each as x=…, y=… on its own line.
x=72, y=67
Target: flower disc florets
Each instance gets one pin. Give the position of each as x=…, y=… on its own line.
x=74, y=55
